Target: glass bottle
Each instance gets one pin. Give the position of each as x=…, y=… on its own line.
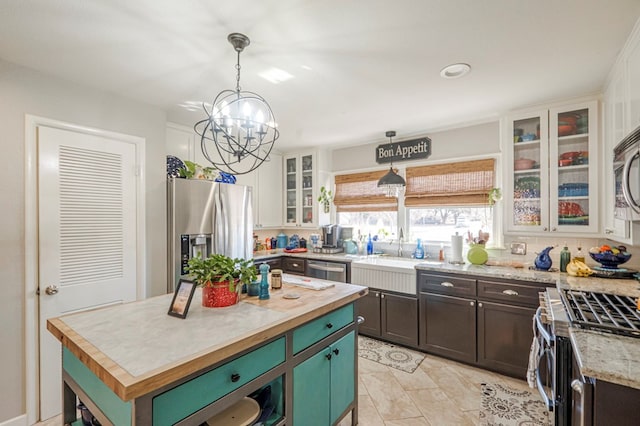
x=579, y=255
x=369, y=245
x=565, y=258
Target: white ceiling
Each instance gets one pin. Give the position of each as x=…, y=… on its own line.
x=360, y=67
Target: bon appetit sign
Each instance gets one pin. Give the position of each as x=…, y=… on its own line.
x=403, y=151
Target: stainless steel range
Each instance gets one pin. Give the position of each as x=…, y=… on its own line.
x=556, y=378
x=603, y=312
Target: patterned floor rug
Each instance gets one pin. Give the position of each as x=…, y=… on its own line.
x=390, y=355
x=504, y=406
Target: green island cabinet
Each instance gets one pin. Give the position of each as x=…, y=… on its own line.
x=305, y=350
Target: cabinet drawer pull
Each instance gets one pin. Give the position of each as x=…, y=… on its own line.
x=510, y=292
x=446, y=284
x=336, y=351
x=328, y=356
x=329, y=325
x=235, y=377
x=295, y=265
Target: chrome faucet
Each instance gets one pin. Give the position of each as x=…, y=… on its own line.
x=400, y=238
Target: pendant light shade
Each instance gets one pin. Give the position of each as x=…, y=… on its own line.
x=392, y=182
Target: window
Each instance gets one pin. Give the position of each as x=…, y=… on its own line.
x=440, y=223
x=365, y=207
x=444, y=199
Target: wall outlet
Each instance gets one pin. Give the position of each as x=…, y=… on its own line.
x=519, y=248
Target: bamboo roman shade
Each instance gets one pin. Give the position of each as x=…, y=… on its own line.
x=359, y=192
x=465, y=183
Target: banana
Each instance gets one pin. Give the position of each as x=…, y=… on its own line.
x=577, y=268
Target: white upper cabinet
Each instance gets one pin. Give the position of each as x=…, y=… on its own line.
x=633, y=81
x=552, y=170
x=300, y=189
x=266, y=180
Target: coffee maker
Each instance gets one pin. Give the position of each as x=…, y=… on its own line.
x=331, y=239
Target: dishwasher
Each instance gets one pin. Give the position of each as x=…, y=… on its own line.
x=332, y=271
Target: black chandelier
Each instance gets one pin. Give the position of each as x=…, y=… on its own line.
x=239, y=131
x=392, y=182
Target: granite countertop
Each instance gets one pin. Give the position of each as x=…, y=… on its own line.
x=605, y=356
x=136, y=347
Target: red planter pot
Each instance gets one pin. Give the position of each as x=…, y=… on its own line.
x=217, y=295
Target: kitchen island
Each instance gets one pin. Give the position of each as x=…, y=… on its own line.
x=132, y=364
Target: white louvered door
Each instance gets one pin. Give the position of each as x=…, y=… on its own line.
x=87, y=236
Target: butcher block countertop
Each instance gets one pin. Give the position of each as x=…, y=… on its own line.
x=136, y=348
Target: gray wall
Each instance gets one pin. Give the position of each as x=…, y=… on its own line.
x=476, y=140
x=23, y=91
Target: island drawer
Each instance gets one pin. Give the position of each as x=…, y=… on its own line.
x=292, y=265
x=318, y=329
x=446, y=284
x=177, y=403
x=514, y=294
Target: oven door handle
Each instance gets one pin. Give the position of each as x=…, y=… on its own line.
x=626, y=187
x=541, y=328
x=326, y=268
x=549, y=402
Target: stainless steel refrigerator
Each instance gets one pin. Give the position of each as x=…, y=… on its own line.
x=205, y=217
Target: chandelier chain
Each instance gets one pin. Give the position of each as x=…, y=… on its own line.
x=238, y=88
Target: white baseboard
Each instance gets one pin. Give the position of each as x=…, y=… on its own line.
x=16, y=421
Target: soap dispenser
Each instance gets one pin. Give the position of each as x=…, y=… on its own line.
x=419, y=252
x=369, y=245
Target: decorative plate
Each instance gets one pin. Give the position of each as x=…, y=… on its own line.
x=173, y=165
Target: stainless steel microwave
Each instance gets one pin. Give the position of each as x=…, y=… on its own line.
x=626, y=169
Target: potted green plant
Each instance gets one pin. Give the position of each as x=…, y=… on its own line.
x=325, y=198
x=193, y=170
x=220, y=278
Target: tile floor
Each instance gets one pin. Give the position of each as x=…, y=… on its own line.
x=439, y=392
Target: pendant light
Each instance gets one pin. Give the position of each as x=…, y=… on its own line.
x=240, y=130
x=392, y=182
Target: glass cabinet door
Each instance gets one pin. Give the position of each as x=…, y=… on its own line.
x=291, y=189
x=307, y=188
x=573, y=183
x=529, y=171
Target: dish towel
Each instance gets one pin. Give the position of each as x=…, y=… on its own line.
x=533, y=357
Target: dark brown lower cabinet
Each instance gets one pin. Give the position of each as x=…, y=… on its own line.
x=368, y=307
x=389, y=316
x=448, y=326
x=505, y=333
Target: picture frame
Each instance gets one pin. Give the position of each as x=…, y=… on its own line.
x=182, y=298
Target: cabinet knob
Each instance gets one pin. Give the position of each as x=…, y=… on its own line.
x=479, y=304
x=545, y=229
x=608, y=231
x=328, y=356
x=329, y=325
x=235, y=377
x=553, y=229
x=377, y=294
x=360, y=319
x=382, y=296
x=472, y=303
x=336, y=351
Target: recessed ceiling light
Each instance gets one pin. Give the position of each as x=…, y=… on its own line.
x=275, y=75
x=455, y=70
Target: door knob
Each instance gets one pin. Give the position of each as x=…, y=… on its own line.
x=51, y=290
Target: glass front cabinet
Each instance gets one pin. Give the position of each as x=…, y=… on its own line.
x=552, y=170
x=300, y=189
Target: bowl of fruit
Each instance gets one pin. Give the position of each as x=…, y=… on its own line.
x=609, y=257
